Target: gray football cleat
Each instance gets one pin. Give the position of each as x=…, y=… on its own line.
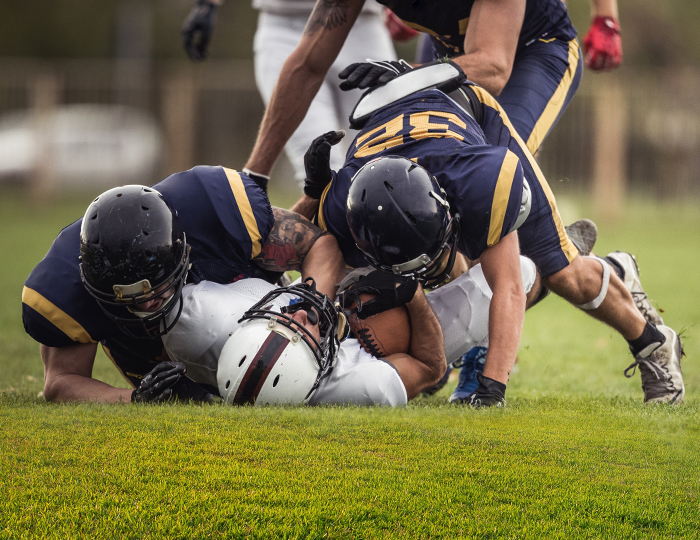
x=583, y=233
x=662, y=378
x=629, y=266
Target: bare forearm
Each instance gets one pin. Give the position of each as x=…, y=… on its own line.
x=604, y=8
x=295, y=90
x=427, y=343
x=306, y=206
x=506, y=316
x=481, y=69
x=70, y=387
x=490, y=42
x=324, y=263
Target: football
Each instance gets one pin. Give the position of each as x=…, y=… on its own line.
x=382, y=334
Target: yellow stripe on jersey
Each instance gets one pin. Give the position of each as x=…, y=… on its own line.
x=59, y=318
x=501, y=196
x=567, y=246
x=246, y=210
x=321, y=219
x=553, y=108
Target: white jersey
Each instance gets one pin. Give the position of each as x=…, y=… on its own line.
x=462, y=308
x=210, y=315
x=211, y=312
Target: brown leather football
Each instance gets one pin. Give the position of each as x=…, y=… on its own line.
x=382, y=334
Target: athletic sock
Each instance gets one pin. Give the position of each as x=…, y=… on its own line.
x=615, y=266
x=650, y=336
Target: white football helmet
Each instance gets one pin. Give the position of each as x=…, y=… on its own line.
x=273, y=359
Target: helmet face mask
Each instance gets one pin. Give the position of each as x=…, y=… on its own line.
x=399, y=218
x=274, y=358
x=125, y=310
x=320, y=310
x=134, y=260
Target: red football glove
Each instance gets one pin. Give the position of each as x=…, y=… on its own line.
x=603, y=45
x=398, y=30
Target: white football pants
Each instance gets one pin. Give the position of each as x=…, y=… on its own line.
x=275, y=39
x=462, y=308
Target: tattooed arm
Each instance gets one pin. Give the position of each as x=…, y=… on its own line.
x=297, y=244
x=301, y=77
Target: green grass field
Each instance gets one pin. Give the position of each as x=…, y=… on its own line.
x=575, y=455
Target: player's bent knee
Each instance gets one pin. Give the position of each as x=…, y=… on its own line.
x=580, y=283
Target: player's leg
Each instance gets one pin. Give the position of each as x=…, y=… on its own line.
x=593, y=285
x=368, y=38
x=462, y=309
x=545, y=77
x=275, y=39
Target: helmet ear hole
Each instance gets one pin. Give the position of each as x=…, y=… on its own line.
x=389, y=187
x=241, y=362
x=277, y=379
x=228, y=383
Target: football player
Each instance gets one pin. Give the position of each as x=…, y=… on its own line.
x=280, y=27
x=115, y=275
x=523, y=52
x=289, y=347
x=434, y=135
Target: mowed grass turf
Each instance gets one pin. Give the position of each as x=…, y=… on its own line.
x=575, y=454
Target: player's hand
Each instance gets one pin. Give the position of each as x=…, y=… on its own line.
x=371, y=73
x=603, y=45
x=198, y=28
x=489, y=393
x=260, y=179
x=317, y=162
x=158, y=384
x=390, y=290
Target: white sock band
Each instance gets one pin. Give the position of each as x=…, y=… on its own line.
x=595, y=303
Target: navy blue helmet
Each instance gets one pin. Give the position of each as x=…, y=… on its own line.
x=134, y=259
x=400, y=219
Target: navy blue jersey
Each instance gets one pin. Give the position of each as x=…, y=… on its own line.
x=446, y=21
x=226, y=218
x=481, y=167
x=484, y=183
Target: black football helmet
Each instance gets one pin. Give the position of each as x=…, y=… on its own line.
x=133, y=254
x=400, y=219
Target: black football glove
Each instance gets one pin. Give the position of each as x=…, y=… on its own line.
x=371, y=73
x=258, y=178
x=317, y=162
x=391, y=291
x=198, y=28
x=157, y=385
x=489, y=393
x=168, y=380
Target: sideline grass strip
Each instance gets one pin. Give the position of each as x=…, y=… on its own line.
x=549, y=468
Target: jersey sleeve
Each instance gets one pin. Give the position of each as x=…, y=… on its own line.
x=226, y=217
x=57, y=311
x=331, y=216
x=484, y=184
